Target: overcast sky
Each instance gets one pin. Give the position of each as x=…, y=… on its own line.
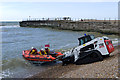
x=20, y=10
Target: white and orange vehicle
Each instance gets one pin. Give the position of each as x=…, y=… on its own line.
x=90, y=49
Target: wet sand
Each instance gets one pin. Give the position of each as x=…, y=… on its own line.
x=108, y=68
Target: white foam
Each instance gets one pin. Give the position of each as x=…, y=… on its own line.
x=6, y=73
x=9, y=26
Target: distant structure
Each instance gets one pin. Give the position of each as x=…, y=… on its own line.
x=66, y=23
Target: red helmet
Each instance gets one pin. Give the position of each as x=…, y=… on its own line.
x=47, y=45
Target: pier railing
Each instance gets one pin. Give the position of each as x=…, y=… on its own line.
x=72, y=19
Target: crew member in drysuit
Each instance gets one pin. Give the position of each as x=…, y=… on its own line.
x=33, y=50
x=42, y=52
x=47, y=50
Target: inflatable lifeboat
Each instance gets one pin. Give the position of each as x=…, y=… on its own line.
x=40, y=58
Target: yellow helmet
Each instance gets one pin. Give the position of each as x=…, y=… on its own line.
x=33, y=50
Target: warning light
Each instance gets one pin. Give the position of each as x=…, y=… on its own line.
x=85, y=34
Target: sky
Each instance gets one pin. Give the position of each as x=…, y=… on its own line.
x=21, y=10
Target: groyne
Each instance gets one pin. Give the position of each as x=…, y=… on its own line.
x=102, y=26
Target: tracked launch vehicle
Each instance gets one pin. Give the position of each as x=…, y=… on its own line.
x=90, y=49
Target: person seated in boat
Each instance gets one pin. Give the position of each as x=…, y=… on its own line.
x=47, y=50
x=42, y=52
x=33, y=50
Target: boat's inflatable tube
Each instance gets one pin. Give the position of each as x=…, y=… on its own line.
x=43, y=58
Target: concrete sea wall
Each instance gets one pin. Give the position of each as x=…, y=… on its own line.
x=103, y=26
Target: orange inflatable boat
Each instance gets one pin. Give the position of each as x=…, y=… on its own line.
x=41, y=58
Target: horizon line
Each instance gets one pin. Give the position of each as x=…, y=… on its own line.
x=60, y=1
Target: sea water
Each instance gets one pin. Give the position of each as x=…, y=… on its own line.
x=15, y=39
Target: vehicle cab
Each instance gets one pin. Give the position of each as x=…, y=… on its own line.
x=85, y=39
x=89, y=38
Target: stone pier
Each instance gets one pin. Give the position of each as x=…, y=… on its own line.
x=103, y=26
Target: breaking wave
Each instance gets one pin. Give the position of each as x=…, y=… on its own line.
x=15, y=26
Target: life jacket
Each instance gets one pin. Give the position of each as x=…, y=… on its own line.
x=43, y=52
x=33, y=51
x=40, y=53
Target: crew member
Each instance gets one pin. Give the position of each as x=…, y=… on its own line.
x=42, y=52
x=47, y=50
x=33, y=50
